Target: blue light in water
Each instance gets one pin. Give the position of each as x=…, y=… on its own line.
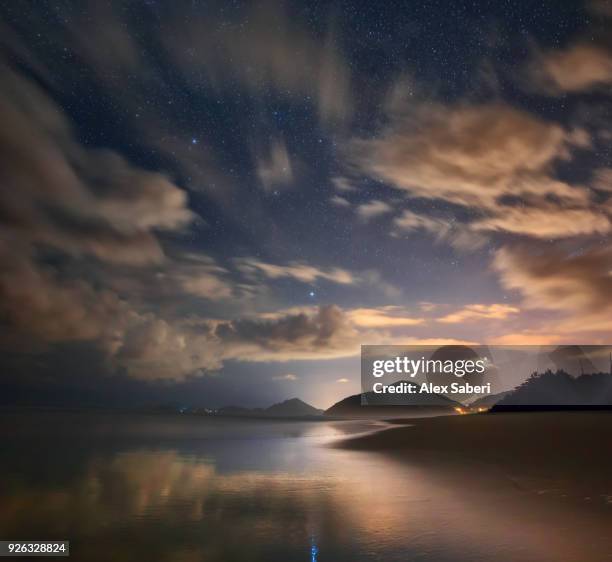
x=314, y=551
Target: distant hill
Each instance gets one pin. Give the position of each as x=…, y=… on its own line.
x=292, y=408
x=559, y=390
x=392, y=406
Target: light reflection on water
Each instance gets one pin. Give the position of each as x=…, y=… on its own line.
x=185, y=490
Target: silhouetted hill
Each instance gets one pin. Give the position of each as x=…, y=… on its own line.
x=559, y=391
x=292, y=408
x=392, y=405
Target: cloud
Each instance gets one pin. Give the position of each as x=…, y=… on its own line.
x=546, y=222
x=410, y=222
x=329, y=332
x=65, y=201
x=602, y=179
x=91, y=40
x=42, y=307
x=342, y=184
x=494, y=160
x=77, y=56
x=275, y=170
x=78, y=200
x=468, y=155
x=339, y=201
x=243, y=51
x=200, y=275
x=455, y=233
x=373, y=278
x=579, y=67
x=295, y=270
x=600, y=7
x=254, y=269
x=37, y=302
x=287, y=377
x=154, y=348
x=373, y=209
x=552, y=279
x=473, y=312
x=437, y=341
x=325, y=333
x=383, y=317
x=335, y=103
x=529, y=337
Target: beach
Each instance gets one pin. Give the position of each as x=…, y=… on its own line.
x=163, y=488
x=563, y=453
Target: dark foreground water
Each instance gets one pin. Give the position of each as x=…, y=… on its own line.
x=183, y=489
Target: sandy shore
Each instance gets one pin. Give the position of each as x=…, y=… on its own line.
x=569, y=452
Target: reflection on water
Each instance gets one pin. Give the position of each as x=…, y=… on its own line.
x=175, y=489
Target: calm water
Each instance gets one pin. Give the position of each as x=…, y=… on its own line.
x=149, y=488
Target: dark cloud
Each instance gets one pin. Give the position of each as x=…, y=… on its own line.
x=326, y=332
x=78, y=200
x=82, y=202
x=600, y=7
x=42, y=307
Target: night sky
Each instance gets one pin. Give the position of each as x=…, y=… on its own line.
x=217, y=203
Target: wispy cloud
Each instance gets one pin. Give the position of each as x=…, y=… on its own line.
x=383, y=317
x=475, y=312
x=298, y=271
x=275, y=169
x=339, y=201
x=289, y=377
x=373, y=209
x=291, y=61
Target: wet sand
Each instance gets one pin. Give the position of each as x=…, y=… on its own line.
x=565, y=453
